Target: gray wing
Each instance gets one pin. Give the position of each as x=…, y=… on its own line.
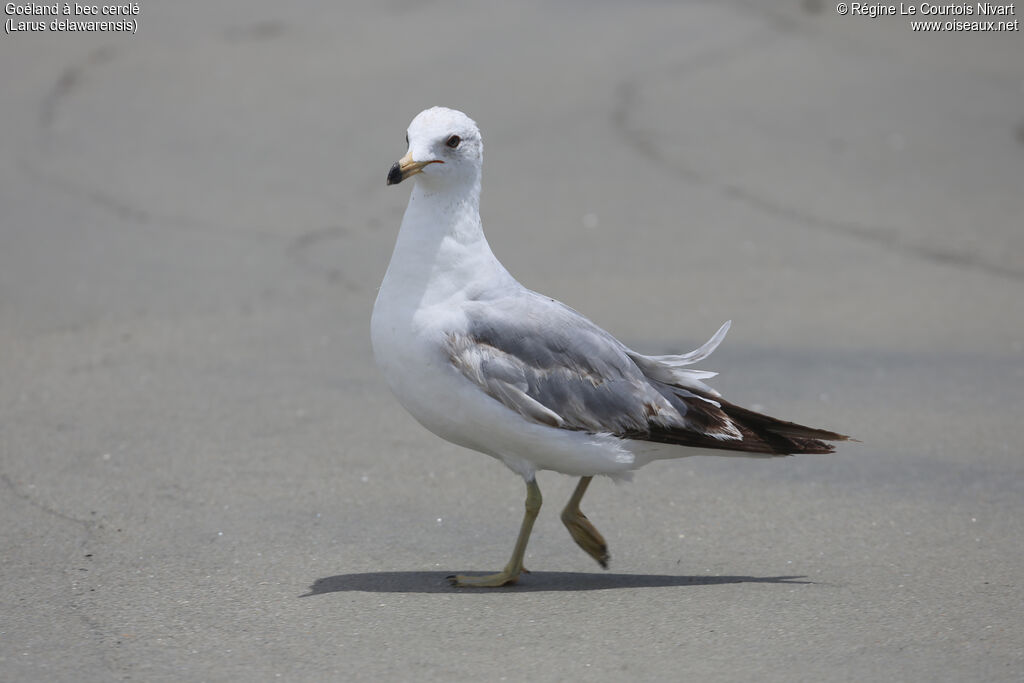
x=553, y=366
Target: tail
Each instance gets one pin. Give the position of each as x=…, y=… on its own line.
x=779, y=437
x=720, y=425
x=711, y=422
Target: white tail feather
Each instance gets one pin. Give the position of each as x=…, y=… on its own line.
x=696, y=355
x=671, y=369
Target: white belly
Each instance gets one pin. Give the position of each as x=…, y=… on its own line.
x=410, y=354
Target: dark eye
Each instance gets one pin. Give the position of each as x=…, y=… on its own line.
x=453, y=141
x=406, y=139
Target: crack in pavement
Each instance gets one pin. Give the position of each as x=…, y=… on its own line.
x=72, y=601
x=70, y=79
x=88, y=525
x=109, y=204
x=73, y=78
x=627, y=97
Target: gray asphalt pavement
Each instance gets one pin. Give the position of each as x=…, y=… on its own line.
x=203, y=478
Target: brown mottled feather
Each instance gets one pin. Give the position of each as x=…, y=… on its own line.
x=761, y=433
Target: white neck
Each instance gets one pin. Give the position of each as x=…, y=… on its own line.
x=441, y=250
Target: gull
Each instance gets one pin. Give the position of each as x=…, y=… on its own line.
x=485, y=363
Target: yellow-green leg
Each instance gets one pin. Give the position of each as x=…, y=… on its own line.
x=512, y=570
x=583, y=532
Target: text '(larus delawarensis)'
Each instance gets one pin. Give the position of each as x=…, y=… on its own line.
x=486, y=363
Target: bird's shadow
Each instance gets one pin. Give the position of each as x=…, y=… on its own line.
x=437, y=582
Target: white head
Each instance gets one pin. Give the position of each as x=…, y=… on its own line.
x=445, y=148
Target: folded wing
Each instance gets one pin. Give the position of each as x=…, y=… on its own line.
x=554, y=367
